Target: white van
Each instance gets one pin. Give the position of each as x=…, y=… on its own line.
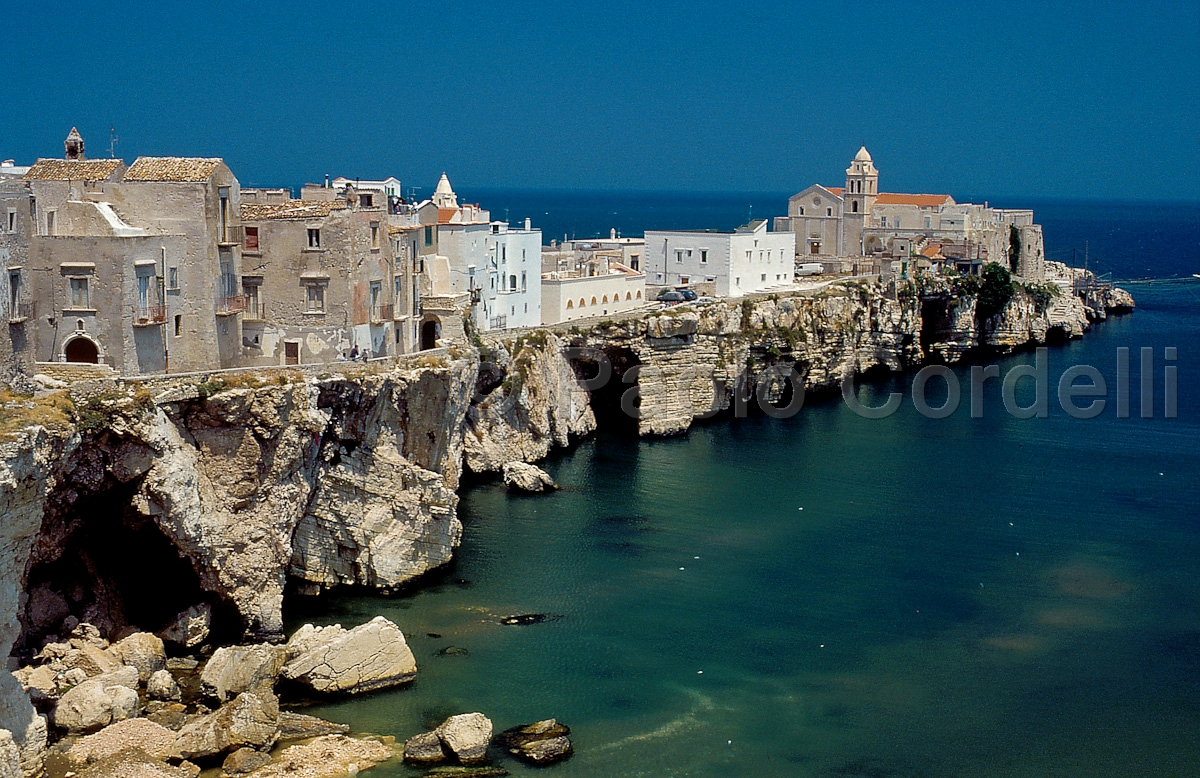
x=810, y=269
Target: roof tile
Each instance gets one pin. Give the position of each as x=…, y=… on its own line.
x=73, y=169
x=181, y=169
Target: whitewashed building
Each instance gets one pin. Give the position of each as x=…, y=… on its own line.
x=749, y=259
x=512, y=294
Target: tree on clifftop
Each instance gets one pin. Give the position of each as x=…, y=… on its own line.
x=994, y=292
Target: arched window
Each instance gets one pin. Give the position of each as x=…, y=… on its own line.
x=605, y=300
x=570, y=304
x=582, y=304
x=593, y=300
x=639, y=294
x=628, y=296
x=854, y=206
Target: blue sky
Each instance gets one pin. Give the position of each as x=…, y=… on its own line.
x=1003, y=99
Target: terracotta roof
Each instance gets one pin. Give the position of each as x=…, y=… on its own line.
x=445, y=215
x=73, y=169
x=837, y=190
x=932, y=250
x=292, y=209
x=927, y=200
x=185, y=169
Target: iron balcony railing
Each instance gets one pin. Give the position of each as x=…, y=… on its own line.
x=144, y=315
x=234, y=304
x=21, y=312
x=381, y=312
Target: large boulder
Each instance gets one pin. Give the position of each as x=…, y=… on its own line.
x=40, y=682
x=235, y=669
x=141, y=650
x=539, y=743
x=161, y=685
x=155, y=740
x=297, y=726
x=425, y=748
x=98, y=702
x=190, y=627
x=527, y=478
x=245, y=760
x=252, y=719
x=331, y=659
x=466, y=736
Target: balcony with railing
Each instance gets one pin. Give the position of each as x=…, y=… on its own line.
x=381, y=312
x=233, y=304
x=233, y=234
x=148, y=315
x=20, y=312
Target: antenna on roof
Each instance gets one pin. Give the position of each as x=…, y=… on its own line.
x=112, y=142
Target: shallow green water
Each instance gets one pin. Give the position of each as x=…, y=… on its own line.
x=963, y=597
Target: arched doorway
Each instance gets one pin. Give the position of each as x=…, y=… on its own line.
x=429, y=335
x=80, y=349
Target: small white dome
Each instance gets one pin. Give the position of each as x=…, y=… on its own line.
x=863, y=155
x=443, y=186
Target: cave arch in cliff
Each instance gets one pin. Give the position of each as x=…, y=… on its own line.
x=606, y=398
x=101, y=560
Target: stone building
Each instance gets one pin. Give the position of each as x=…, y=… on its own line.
x=132, y=267
x=858, y=228
x=586, y=278
x=749, y=259
x=321, y=278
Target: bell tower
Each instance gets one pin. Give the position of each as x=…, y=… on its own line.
x=862, y=183
x=73, y=145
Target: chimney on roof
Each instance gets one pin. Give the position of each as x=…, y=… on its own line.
x=326, y=180
x=612, y=234
x=73, y=145
x=528, y=226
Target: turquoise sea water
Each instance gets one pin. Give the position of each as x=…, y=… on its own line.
x=957, y=597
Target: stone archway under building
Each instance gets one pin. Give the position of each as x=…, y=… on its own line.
x=430, y=330
x=81, y=348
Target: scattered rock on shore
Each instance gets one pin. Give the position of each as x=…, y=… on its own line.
x=540, y=743
x=99, y=701
x=297, y=726
x=245, y=760
x=252, y=719
x=527, y=478
x=466, y=736
x=235, y=669
x=333, y=756
x=141, y=650
x=156, y=741
x=425, y=748
x=331, y=659
x=162, y=686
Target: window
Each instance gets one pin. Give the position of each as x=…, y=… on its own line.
x=374, y=235
x=570, y=304
x=633, y=261
x=314, y=238
x=829, y=212
x=251, y=238
x=253, y=309
x=316, y=298
x=50, y=221
x=12, y=221
x=802, y=210
x=593, y=301
x=523, y=286
x=512, y=283
x=764, y=276
x=79, y=293
x=628, y=296
x=682, y=280
x=399, y=288
x=14, y=292
x=178, y=325
x=366, y=201
x=605, y=300
x=883, y=221
x=854, y=206
x=582, y=304
x=429, y=236
x=172, y=278
x=678, y=256
x=703, y=256
x=223, y=194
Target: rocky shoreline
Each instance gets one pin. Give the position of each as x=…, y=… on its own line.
x=182, y=509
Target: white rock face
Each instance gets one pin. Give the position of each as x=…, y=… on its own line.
x=10, y=756
x=466, y=736
x=331, y=659
x=527, y=478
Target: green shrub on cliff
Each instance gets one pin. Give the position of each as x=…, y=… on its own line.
x=995, y=290
x=1042, y=294
x=1014, y=248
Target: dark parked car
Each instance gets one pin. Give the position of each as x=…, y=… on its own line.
x=688, y=294
x=668, y=296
